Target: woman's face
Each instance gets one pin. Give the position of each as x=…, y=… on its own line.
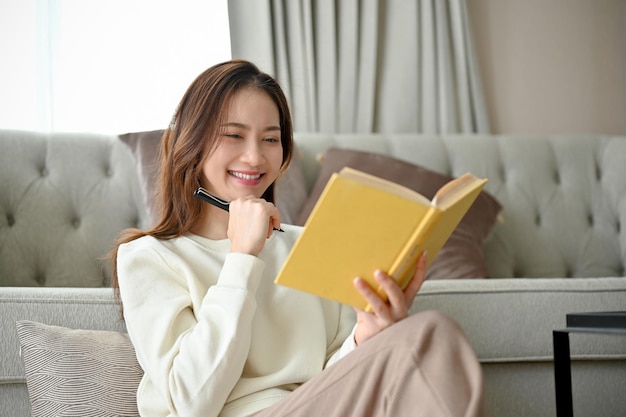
x=249, y=153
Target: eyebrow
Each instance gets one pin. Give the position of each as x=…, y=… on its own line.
x=243, y=126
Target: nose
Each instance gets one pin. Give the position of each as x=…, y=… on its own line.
x=253, y=154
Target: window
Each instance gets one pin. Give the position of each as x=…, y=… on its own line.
x=104, y=66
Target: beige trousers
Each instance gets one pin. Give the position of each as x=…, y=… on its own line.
x=420, y=366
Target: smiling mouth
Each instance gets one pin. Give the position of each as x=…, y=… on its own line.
x=243, y=176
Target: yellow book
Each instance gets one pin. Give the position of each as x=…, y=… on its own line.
x=362, y=223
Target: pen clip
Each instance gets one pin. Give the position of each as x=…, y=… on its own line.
x=203, y=194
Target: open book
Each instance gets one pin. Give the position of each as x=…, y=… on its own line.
x=362, y=223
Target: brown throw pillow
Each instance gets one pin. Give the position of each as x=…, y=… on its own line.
x=462, y=256
x=78, y=372
x=145, y=148
x=291, y=191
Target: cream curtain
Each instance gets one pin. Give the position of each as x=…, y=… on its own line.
x=364, y=65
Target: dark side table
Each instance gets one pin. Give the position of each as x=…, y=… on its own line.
x=613, y=322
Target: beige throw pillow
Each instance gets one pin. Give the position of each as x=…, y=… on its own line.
x=78, y=372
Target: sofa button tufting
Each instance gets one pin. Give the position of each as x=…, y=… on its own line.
x=598, y=173
x=44, y=172
x=10, y=220
x=76, y=223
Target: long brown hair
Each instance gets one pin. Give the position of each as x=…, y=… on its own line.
x=192, y=135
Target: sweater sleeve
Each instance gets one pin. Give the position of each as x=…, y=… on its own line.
x=349, y=344
x=193, y=357
x=343, y=342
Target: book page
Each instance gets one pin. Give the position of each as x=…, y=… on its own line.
x=456, y=189
x=383, y=184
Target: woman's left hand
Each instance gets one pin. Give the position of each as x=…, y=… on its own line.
x=384, y=313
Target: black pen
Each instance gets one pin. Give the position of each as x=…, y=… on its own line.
x=206, y=196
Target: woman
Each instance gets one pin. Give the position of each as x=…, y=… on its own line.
x=212, y=332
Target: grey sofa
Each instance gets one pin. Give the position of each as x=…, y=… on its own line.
x=558, y=247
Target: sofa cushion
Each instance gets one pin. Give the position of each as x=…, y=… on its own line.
x=462, y=255
x=291, y=189
x=78, y=372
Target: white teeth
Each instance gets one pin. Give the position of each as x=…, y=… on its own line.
x=245, y=176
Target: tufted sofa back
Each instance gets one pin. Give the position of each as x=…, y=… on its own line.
x=563, y=197
x=65, y=197
x=63, y=200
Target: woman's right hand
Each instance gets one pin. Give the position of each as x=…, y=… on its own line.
x=395, y=308
x=250, y=223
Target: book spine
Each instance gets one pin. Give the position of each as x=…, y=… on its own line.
x=403, y=268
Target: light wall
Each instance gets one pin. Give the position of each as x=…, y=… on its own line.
x=552, y=66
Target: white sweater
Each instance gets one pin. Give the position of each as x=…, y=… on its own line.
x=214, y=334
